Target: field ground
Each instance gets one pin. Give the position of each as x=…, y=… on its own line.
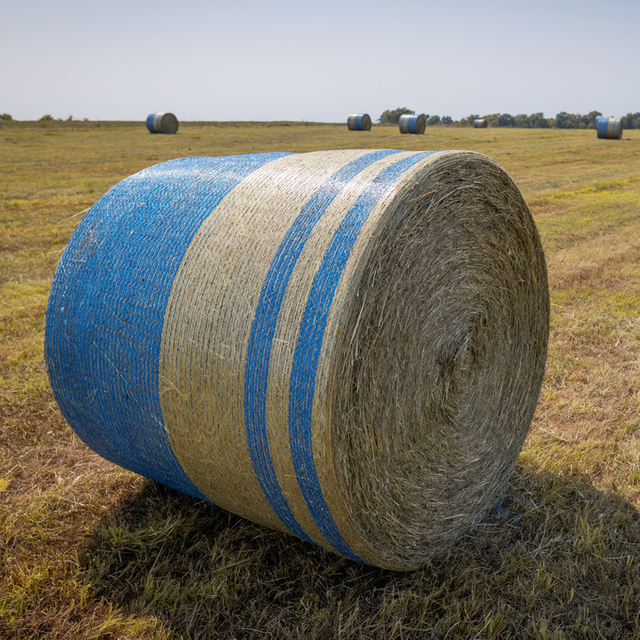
x=88, y=550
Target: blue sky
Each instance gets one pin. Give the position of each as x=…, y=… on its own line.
x=316, y=61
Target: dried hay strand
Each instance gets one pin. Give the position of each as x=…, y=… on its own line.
x=480, y=123
x=412, y=124
x=343, y=345
x=359, y=122
x=162, y=123
x=609, y=128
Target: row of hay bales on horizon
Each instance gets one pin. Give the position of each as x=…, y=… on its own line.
x=607, y=127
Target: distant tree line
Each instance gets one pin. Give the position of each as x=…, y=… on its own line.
x=563, y=120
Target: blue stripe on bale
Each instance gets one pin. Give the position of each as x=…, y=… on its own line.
x=307, y=352
x=107, y=304
x=151, y=123
x=264, y=327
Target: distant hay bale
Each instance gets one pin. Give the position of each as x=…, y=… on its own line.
x=412, y=124
x=162, y=123
x=359, y=122
x=344, y=345
x=480, y=123
x=609, y=127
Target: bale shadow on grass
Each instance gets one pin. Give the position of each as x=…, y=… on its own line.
x=556, y=559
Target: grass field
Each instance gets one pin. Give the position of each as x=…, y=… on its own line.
x=89, y=550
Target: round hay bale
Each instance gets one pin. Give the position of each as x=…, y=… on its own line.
x=480, y=123
x=162, y=123
x=344, y=345
x=359, y=122
x=609, y=127
x=412, y=124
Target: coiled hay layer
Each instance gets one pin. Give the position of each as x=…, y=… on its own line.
x=162, y=123
x=359, y=122
x=344, y=345
x=412, y=124
x=609, y=127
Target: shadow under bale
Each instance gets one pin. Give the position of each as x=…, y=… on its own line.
x=553, y=554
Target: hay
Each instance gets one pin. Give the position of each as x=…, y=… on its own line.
x=412, y=124
x=345, y=345
x=359, y=122
x=609, y=128
x=162, y=123
x=480, y=123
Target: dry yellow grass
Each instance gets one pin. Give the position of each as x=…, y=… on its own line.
x=88, y=550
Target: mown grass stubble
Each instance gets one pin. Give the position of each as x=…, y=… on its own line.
x=90, y=550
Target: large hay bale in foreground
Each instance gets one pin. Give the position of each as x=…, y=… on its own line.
x=345, y=345
x=609, y=127
x=359, y=122
x=412, y=124
x=480, y=123
x=162, y=123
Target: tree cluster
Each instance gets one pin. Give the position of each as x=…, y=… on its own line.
x=632, y=121
x=566, y=120
x=522, y=120
x=392, y=116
